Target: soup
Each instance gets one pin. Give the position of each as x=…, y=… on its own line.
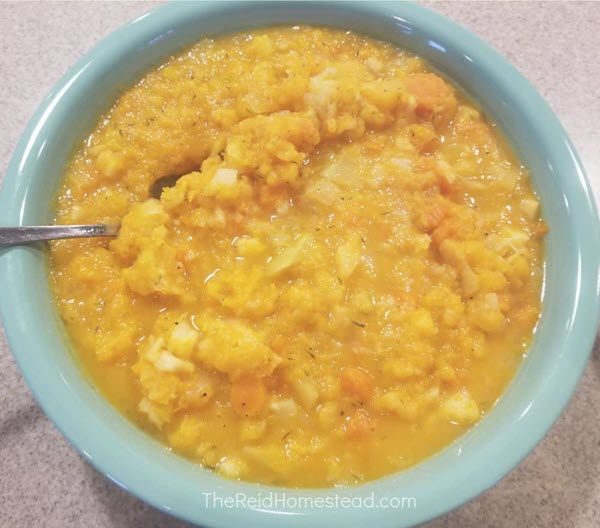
x=343, y=280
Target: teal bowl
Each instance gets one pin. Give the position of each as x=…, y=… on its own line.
x=138, y=463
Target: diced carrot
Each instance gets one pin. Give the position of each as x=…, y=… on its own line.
x=357, y=383
x=451, y=227
x=435, y=98
x=248, y=396
x=445, y=186
x=541, y=228
x=373, y=147
x=271, y=195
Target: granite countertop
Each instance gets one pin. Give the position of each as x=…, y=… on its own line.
x=45, y=483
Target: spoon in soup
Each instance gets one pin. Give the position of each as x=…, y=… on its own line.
x=14, y=236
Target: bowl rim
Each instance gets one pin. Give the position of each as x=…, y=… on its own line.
x=93, y=435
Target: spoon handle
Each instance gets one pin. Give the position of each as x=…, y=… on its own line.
x=11, y=236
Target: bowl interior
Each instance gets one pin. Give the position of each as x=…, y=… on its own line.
x=133, y=460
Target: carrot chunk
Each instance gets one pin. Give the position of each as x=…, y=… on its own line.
x=357, y=383
x=435, y=99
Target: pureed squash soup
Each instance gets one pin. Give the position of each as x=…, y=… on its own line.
x=343, y=281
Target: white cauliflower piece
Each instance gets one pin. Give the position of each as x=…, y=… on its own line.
x=323, y=191
x=231, y=467
x=154, y=412
x=347, y=257
x=183, y=340
x=224, y=177
x=461, y=408
x=508, y=241
x=163, y=360
x=287, y=257
x=167, y=362
x=530, y=207
x=283, y=407
x=304, y=387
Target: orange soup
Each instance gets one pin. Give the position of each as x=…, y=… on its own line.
x=342, y=281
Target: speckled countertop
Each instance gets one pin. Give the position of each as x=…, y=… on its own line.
x=45, y=483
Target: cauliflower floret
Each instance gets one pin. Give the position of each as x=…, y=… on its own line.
x=347, y=104
x=224, y=177
x=159, y=371
x=272, y=146
x=167, y=362
x=235, y=348
x=305, y=389
x=138, y=228
x=530, y=208
x=508, y=241
x=244, y=291
x=183, y=339
x=156, y=268
x=157, y=414
x=283, y=407
x=398, y=403
x=163, y=360
x=156, y=345
x=321, y=94
x=485, y=313
x=231, y=467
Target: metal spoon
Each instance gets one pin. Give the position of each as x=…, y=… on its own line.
x=13, y=236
